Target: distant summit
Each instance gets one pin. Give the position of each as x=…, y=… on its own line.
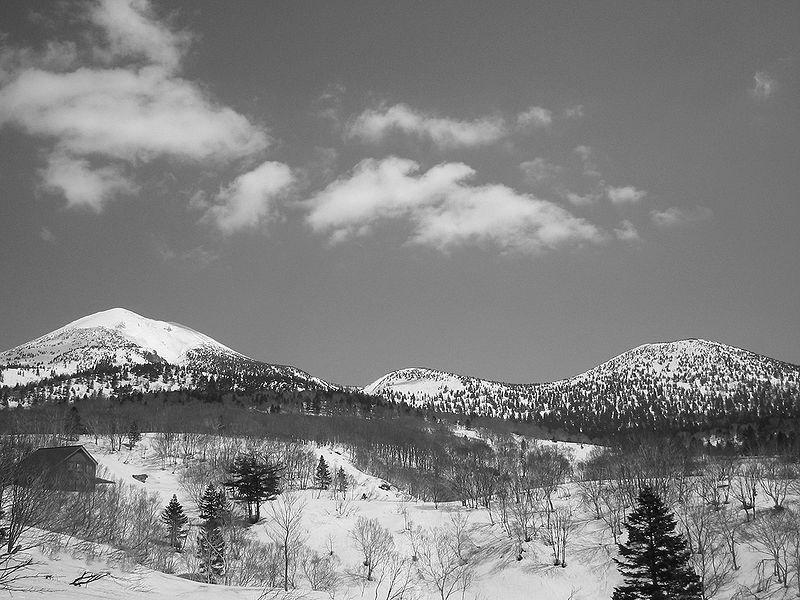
x=119, y=338
x=681, y=384
x=685, y=385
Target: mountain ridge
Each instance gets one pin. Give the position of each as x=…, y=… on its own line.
x=684, y=383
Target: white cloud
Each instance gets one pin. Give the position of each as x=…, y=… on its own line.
x=376, y=125
x=539, y=169
x=126, y=106
x=196, y=258
x=575, y=112
x=673, y=216
x=132, y=30
x=249, y=202
x=764, y=85
x=583, y=200
x=535, y=116
x=443, y=209
x=586, y=155
x=47, y=235
x=82, y=185
x=628, y=194
x=626, y=232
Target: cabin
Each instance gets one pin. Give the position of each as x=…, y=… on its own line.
x=69, y=468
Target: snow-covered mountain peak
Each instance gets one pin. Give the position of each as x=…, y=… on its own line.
x=170, y=341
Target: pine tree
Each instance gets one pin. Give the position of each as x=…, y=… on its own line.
x=211, y=550
x=134, y=435
x=254, y=480
x=175, y=521
x=340, y=486
x=214, y=510
x=213, y=504
x=322, y=478
x=655, y=560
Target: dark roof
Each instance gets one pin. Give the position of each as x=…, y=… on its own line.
x=47, y=458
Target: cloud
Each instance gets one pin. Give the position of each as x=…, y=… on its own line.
x=443, y=209
x=47, y=235
x=132, y=30
x=674, y=217
x=586, y=154
x=196, y=258
x=575, y=112
x=538, y=170
x=620, y=196
x=82, y=185
x=122, y=107
x=534, y=117
x=376, y=125
x=626, y=232
x=764, y=85
x=249, y=202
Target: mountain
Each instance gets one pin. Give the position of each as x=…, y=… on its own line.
x=122, y=342
x=687, y=383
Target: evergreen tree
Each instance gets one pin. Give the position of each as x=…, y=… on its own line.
x=254, y=480
x=73, y=426
x=655, y=560
x=134, y=435
x=175, y=521
x=214, y=511
x=340, y=486
x=322, y=478
x=213, y=504
x=211, y=550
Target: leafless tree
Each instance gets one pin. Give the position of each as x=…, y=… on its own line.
x=285, y=529
x=320, y=570
x=373, y=541
x=615, y=504
x=396, y=579
x=771, y=536
x=440, y=566
x=729, y=527
x=557, y=531
x=707, y=539
x=745, y=487
x=777, y=477
x=592, y=492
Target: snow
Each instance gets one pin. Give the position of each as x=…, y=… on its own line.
x=170, y=341
x=590, y=573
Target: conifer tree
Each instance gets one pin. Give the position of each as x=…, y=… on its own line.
x=213, y=504
x=213, y=507
x=340, y=486
x=175, y=521
x=655, y=559
x=322, y=478
x=134, y=435
x=254, y=480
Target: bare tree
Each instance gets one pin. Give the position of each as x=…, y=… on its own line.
x=592, y=492
x=771, y=536
x=558, y=529
x=320, y=570
x=707, y=539
x=396, y=579
x=615, y=503
x=373, y=541
x=440, y=566
x=776, y=480
x=745, y=488
x=286, y=531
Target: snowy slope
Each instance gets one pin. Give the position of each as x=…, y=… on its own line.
x=694, y=376
x=119, y=338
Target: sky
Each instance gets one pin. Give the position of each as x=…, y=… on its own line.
x=515, y=191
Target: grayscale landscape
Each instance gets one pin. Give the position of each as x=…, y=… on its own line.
x=412, y=301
